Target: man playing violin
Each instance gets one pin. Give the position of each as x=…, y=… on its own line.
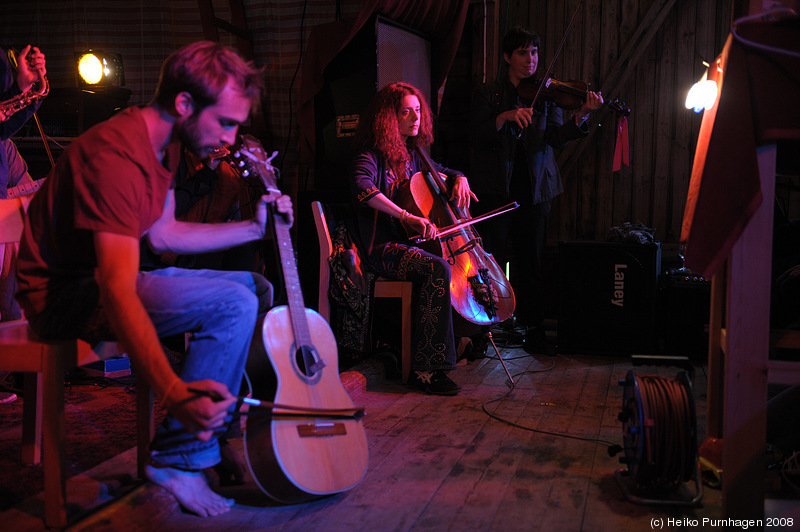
x=78, y=268
x=397, y=122
x=514, y=160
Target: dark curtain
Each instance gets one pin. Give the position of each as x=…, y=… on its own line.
x=443, y=20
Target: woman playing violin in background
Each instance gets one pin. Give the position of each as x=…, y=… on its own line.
x=513, y=160
x=398, y=121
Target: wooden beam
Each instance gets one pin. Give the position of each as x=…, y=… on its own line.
x=238, y=26
x=620, y=71
x=632, y=53
x=206, y=8
x=486, y=41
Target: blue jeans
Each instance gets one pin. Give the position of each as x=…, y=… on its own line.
x=219, y=308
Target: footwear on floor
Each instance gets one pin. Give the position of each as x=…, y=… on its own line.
x=464, y=347
x=435, y=382
x=480, y=343
x=535, y=343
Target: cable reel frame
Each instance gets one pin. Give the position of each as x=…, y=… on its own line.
x=652, y=483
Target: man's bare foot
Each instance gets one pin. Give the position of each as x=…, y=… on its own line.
x=191, y=490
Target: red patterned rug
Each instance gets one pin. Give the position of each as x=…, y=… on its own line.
x=100, y=424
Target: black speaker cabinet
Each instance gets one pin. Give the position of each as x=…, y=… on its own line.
x=684, y=312
x=382, y=52
x=608, y=297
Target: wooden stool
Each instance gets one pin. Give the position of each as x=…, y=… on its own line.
x=43, y=424
x=403, y=290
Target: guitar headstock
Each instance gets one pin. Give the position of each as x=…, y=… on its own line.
x=249, y=158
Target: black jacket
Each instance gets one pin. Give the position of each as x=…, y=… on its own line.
x=494, y=151
x=370, y=174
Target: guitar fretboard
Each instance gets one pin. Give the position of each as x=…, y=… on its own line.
x=291, y=279
x=24, y=189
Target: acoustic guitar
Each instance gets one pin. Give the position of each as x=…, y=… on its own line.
x=296, y=456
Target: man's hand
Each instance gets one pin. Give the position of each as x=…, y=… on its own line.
x=283, y=204
x=30, y=61
x=200, y=413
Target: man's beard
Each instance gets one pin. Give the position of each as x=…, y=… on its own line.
x=190, y=136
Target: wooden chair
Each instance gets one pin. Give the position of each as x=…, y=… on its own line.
x=43, y=421
x=384, y=288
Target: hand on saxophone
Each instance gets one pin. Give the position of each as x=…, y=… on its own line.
x=29, y=64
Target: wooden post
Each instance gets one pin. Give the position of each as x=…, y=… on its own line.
x=744, y=416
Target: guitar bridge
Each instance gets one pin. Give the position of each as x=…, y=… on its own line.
x=312, y=430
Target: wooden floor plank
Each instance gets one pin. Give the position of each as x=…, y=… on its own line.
x=441, y=463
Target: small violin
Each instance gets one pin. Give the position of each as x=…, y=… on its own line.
x=566, y=94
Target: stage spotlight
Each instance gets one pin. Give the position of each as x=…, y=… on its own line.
x=100, y=69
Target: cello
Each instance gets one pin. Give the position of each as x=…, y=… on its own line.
x=479, y=290
x=316, y=445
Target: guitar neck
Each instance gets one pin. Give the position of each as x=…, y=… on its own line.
x=291, y=279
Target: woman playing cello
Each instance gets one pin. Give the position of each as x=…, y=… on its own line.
x=398, y=121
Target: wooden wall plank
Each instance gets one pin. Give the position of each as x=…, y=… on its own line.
x=583, y=39
x=606, y=49
x=622, y=182
x=643, y=135
x=665, y=112
x=684, y=132
x=662, y=133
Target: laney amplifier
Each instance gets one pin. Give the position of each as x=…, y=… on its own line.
x=608, y=293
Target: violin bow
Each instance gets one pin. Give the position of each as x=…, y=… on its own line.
x=466, y=223
x=553, y=60
x=293, y=411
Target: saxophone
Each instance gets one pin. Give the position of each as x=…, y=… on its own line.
x=39, y=90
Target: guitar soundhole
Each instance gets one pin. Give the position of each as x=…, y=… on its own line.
x=307, y=362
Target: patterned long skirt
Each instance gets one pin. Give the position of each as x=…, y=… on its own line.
x=433, y=346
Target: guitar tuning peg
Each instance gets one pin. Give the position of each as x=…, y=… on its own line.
x=241, y=164
x=245, y=173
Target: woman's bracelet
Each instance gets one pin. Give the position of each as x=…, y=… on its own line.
x=404, y=216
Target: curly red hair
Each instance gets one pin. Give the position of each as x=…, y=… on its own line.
x=379, y=129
